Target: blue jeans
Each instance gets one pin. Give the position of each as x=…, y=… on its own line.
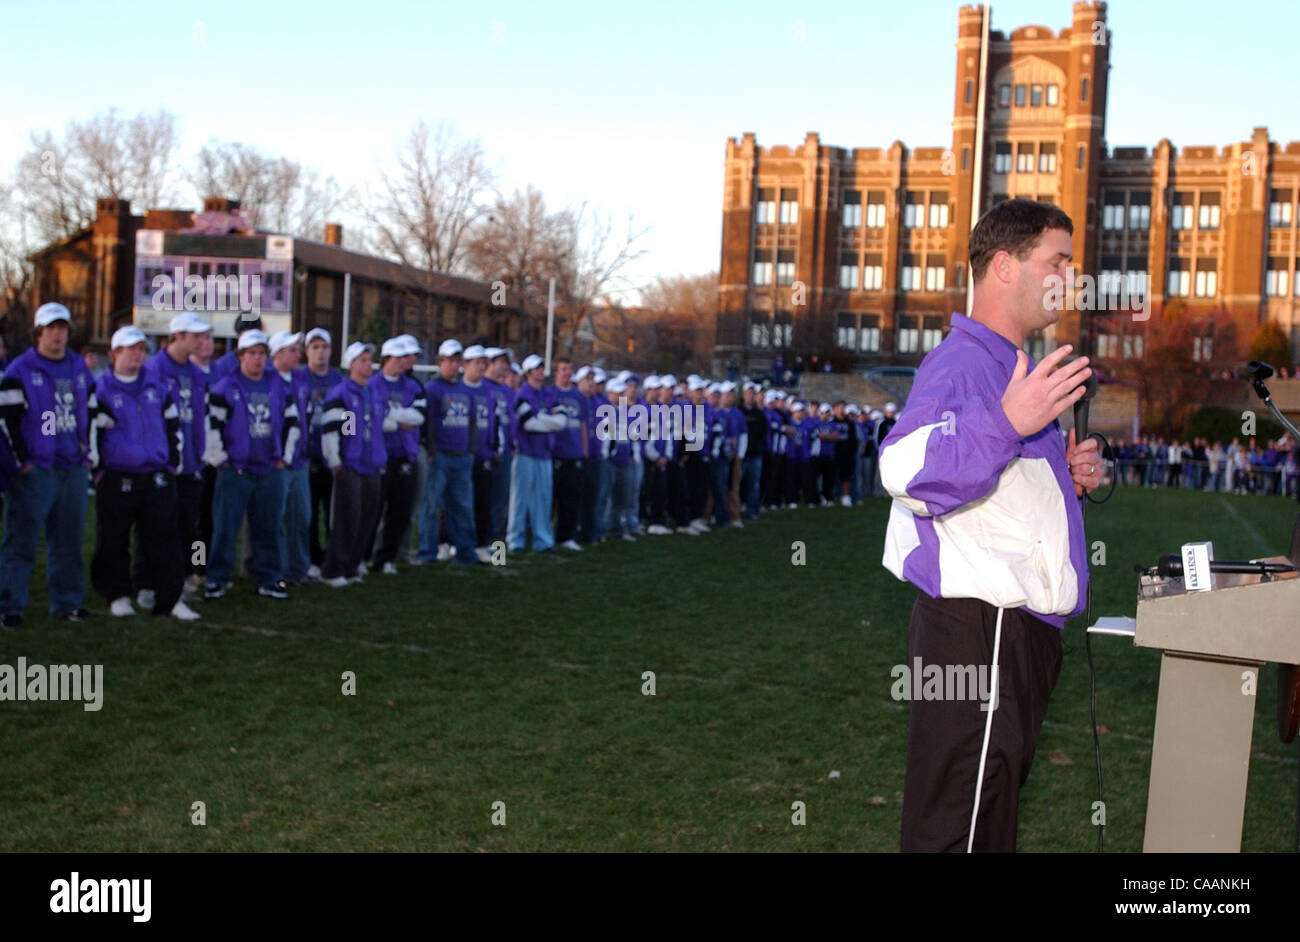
x=638, y=476
x=53, y=501
x=530, y=504
x=260, y=498
x=449, y=483
x=622, y=500
x=297, y=523
x=720, y=469
x=751, y=476
x=604, y=488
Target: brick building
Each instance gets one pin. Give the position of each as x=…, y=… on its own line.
x=105, y=275
x=859, y=256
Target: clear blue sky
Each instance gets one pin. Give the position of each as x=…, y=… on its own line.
x=626, y=106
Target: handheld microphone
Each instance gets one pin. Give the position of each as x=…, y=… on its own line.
x=1081, y=409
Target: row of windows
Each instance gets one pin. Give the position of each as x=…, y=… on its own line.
x=1276, y=278
x=1180, y=281
x=1028, y=156
x=766, y=212
x=1035, y=96
x=918, y=208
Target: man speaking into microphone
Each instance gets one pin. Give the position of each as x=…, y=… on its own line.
x=986, y=523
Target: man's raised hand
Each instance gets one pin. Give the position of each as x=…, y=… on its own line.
x=1032, y=400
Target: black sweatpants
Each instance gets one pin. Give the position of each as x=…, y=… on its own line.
x=322, y=485
x=568, y=497
x=189, y=493
x=656, y=488
x=945, y=736
x=397, y=491
x=148, y=503
x=678, y=498
x=808, y=473
x=698, y=484
x=354, y=511
x=826, y=467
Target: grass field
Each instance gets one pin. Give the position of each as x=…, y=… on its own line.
x=523, y=685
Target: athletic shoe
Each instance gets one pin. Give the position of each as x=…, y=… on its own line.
x=737, y=525
x=572, y=545
x=121, y=607
x=184, y=612
x=688, y=530
x=792, y=506
x=337, y=582
x=11, y=621
x=484, y=555
x=357, y=579
x=444, y=552
x=215, y=590
x=363, y=570
x=275, y=591
x=629, y=537
x=145, y=599
x=313, y=572
x=846, y=501
x=76, y=614
x=390, y=569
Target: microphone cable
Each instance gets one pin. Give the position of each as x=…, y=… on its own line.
x=1087, y=643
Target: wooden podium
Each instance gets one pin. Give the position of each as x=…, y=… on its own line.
x=1214, y=643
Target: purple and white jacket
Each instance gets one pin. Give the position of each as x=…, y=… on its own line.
x=978, y=511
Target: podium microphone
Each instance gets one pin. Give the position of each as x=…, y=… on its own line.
x=1171, y=566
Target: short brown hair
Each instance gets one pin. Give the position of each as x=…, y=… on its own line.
x=1013, y=226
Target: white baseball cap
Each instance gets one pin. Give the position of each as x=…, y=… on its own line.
x=726, y=386
x=531, y=362
x=393, y=347
x=450, y=348
x=127, y=336
x=877, y=415
x=475, y=352
x=616, y=386
x=355, y=350
x=625, y=375
x=769, y=397
x=714, y=388
x=651, y=382
x=824, y=407
x=851, y=409
x=597, y=375
x=694, y=382
x=493, y=352
x=890, y=407
x=318, y=333
x=516, y=368
x=187, y=322
x=251, y=338
x=50, y=312
x=583, y=373
x=410, y=346
x=281, y=339
x=668, y=380
x=798, y=407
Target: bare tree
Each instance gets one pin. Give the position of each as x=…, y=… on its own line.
x=684, y=312
x=104, y=156
x=520, y=245
x=426, y=209
x=274, y=193
x=15, y=270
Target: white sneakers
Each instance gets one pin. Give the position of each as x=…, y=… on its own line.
x=737, y=525
x=629, y=537
x=313, y=572
x=444, y=552
x=145, y=599
x=390, y=569
x=657, y=529
x=572, y=545
x=484, y=554
x=846, y=501
x=184, y=612
x=122, y=607
x=337, y=582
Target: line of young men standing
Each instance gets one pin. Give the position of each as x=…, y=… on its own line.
x=320, y=468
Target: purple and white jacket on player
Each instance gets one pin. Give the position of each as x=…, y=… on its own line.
x=978, y=511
